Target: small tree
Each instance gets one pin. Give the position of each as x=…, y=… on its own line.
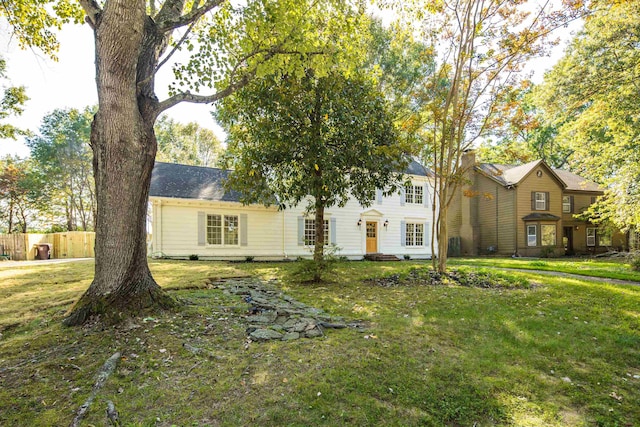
x=481, y=48
x=331, y=138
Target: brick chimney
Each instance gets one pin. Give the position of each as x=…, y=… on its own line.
x=469, y=233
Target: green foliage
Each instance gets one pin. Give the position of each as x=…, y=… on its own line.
x=11, y=104
x=34, y=22
x=591, y=96
x=257, y=39
x=187, y=144
x=462, y=276
x=194, y=257
x=480, y=50
x=521, y=133
x=21, y=193
x=634, y=262
x=331, y=138
x=314, y=271
x=62, y=153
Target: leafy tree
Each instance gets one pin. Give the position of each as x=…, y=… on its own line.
x=328, y=137
x=62, y=153
x=481, y=47
x=21, y=194
x=229, y=44
x=188, y=144
x=591, y=95
x=522, y=133
x=11, y=104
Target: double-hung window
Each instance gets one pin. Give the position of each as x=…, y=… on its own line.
x=540, y=201
x=414, y=234
x=222, y=229
x=532, y=235
x=566, y=204
x=414, y=194
x=591, y=236
x=310, y=232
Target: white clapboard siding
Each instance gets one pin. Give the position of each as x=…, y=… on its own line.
x=273, y=234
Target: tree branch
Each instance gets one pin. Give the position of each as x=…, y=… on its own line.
x=204, y=99
x=171, y=22
x=93, y=11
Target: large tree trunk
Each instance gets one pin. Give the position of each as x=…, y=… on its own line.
x=124, y=148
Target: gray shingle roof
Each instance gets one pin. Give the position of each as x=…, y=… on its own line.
x=190, y=182
x=511, y=175
x=576, y=182
x=416, y=168
x=197, y=182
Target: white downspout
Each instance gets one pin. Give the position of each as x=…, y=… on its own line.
x=284, y=247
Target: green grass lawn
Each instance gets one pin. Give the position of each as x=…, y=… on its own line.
x=564, y=353
x=615, y=268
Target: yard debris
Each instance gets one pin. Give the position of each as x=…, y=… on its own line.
x=103, y=374
x=112, y=414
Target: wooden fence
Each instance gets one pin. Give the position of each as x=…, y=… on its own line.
x=71, y=244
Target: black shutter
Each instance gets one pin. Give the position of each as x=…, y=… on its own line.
x=533, y=200
x=546, y=201
x=571, y=204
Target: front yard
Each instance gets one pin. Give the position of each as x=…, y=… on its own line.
x=564, y=352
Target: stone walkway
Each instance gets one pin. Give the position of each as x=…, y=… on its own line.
x=272, y=315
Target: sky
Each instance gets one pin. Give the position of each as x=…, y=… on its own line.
x=70, y=82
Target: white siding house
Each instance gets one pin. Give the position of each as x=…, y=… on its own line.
x=193, y=215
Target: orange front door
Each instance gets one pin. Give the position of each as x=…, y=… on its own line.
x=372, y=237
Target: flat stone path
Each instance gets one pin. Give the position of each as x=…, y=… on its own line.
x=272, y=315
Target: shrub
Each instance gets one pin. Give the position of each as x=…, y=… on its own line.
x=634, y=262
x=547, y=252
x=407, y=257
x=309, y=271
x=193, y=257
x=249, y=258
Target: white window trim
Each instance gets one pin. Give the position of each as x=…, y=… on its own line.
x=327, y=232
x=541, y=202
x=411, y=194
x=414, y=234
x=222, y=231
x=529, y=235
x=591, y=240
x=566, y=204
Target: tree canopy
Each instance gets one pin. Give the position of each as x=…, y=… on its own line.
x=189, y=144
x=62, y=153
x=227, y=44
x=480, y=49
x=591, y=95
x=11, y=104
x=331, y=138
